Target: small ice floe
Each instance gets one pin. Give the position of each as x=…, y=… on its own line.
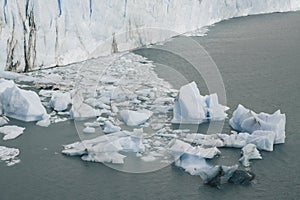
x=20, y=104
x=135, y=118
x=249, y=153
x=107, y=148
x=109, y=127
x=9, y=155
x=192, y=108
x=89, y=130
x=60, y=101
x=246, y=120
x=11, y=132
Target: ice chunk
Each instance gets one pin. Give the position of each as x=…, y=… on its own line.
x=60, y=101
x=3, y=120
x=246, y=120
x=20, y=104
x=9, y=155
x=110, y=128
x=215, y=111
x=192, y=108
x=196, y=165
x=11, y=132
x=135, y=118
x=249, y=152
x=45, y=122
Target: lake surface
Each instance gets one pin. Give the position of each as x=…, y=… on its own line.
x=259, y=60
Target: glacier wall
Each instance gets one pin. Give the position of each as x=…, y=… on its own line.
x=38, y=33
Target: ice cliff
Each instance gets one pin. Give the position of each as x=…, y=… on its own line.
x=37, y=33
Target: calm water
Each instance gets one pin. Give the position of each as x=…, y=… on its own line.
x=259, y=60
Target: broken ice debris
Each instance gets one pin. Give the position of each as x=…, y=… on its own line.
x=192, y=108
x=246, y=120
x=20, y=104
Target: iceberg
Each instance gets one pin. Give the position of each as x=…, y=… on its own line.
x=20, y=104
x=192, y=108
x=35, y=34
x=11, y=132
x=246, y=120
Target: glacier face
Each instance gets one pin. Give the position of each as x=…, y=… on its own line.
x=37, y=33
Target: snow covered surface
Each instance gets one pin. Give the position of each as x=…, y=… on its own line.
x=9, y=155
x=11, y=132
x=192, y=108
x=37, y=33
x=20, y=104
x=246, y=120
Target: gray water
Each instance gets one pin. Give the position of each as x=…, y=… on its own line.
x=259, y=59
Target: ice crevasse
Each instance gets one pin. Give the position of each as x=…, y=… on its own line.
x=36, y=33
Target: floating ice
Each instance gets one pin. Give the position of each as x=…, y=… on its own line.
x=135, y=118
x=179, y=147
x=264, y=140
x=11, y=132
x=107, y=148
x=192, y=108
x=249, y=152
x=20, y=104
x=60, y=101
x=248, y=121
x=45, y=122
x=9, y=155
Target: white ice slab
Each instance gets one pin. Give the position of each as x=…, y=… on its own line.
x=11, y=132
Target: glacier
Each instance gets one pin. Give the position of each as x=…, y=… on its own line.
x=36, y=34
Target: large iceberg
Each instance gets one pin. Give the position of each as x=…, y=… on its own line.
x=20, y=104
x=192, y=108
x=36, y=34
x=246, y=120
